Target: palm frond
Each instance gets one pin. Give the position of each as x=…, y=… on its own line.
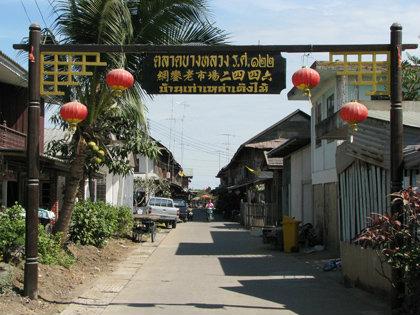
x=152, y=18
x=203, y=33
x=132, y=105
x=93, y=21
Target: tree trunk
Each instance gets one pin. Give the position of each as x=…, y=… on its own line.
x=91, y=184
x=71, y=190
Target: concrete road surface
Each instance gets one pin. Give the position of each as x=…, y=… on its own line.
x=219, y=268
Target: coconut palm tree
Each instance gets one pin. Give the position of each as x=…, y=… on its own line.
x=119, y=22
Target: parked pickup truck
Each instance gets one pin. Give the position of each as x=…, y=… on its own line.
x=162, y=209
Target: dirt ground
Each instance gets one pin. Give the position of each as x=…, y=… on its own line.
x=58, y=285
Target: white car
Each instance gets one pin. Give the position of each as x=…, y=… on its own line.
x=163, y=208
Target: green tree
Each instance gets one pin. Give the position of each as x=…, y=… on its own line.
x=411, y=78
x=117, y=125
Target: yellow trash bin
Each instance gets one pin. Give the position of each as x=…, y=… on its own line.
x=290, y=234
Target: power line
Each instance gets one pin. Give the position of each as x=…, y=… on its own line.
x=190, y=138
x=26, y=12
x=228, y=135
x=187, y=141
x=185, y=138
x=193, y=146
x=40, y=13
x=53, y=8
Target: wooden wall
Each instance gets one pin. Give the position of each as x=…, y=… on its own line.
x=14, y=110
x=363, y=190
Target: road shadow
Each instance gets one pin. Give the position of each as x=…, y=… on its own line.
x=228, y=226
x=260, y=266
x=233, y=242
x=309, y=297
x=199, y=305
x=153, y=305
x=224, y=243
x=200, y=215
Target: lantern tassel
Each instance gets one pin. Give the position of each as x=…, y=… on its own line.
x=354, y=128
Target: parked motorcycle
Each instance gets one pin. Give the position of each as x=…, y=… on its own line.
x=209, y=214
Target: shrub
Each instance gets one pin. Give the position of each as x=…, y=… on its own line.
x=50, y=250
x=12, y=240
x=397, y=239
x=94, y=222
x=124, y=222
x=12, y=231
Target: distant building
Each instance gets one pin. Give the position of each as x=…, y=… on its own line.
x=257, y=176
x=164, y=167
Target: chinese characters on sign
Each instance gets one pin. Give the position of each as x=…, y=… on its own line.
x=211, y=73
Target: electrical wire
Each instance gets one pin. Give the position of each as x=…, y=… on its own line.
x=40, y=13
x=185, y=142
x=188, y=142
x=26, y=12
x=212, y=145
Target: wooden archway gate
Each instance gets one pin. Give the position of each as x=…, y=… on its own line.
x=36, y=81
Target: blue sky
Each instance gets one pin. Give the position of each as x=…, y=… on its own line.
x=206, y=118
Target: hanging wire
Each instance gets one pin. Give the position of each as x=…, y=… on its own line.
x=53, y=8
x=40, y=13
x=26, y=12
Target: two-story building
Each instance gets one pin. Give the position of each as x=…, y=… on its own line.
x=13, y=130
x=350, y=170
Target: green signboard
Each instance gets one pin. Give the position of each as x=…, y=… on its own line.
x=213, y=73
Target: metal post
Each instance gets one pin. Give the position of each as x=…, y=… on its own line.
x=396, y=114
x=397, y=140
x=32, y=159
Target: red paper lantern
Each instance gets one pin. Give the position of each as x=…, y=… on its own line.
x=73, y=113
x=353, y=113
x=119, y=79
x=305, y=79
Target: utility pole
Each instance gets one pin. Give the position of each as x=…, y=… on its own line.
x=171, y=120
x=30, y=288
x=227, y=143
x=185, y=105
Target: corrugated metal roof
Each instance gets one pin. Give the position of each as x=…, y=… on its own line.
x=11, y=72
x=266, y=144
x=409, y=118
x=289, y=146
x=274, y=161
x=412, y=157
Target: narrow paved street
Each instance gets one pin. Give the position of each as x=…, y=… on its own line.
x=219, y=268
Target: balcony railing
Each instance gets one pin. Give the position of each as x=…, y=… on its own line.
x=11, y=139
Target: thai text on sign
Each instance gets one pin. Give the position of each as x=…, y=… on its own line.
x=242, y=73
